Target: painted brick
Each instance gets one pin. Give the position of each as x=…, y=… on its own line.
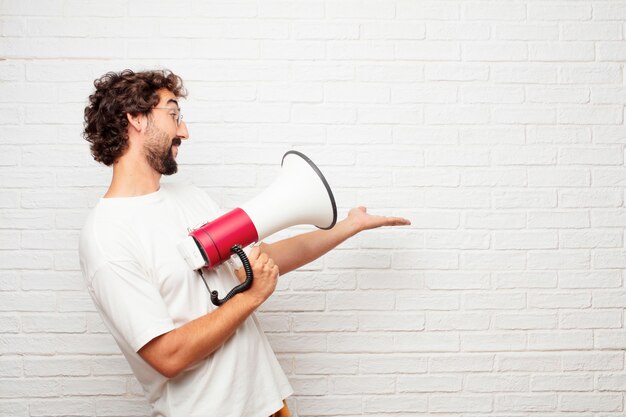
x=462, y=363
x=611, y=382
x=496, y=128
x=525, y=321
x=455, y=403
x=526, y=402
x=561, y=383
x=353, y=385
x=528, y=362
x=61, y=407
x=559, y=11
x=392, y=364
x=493, y=342
x=592, y=402
x=497, y=383
x=329, y=406
x=115, y=407
x=430, y=383
x=562, y=340
x=593, y=361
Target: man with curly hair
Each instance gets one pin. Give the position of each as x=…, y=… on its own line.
x=192, y=358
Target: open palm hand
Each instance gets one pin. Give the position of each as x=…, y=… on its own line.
x=362, y=220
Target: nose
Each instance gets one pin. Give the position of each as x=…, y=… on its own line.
x=182, y=131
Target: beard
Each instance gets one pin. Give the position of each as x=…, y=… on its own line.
x=159, y=151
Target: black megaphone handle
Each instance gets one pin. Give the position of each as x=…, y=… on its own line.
x=237, y=250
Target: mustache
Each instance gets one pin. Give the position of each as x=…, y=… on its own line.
x=176, y=142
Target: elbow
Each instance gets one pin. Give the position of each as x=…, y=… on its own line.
x=169, y=368
x=160, y=355
x=169, y=371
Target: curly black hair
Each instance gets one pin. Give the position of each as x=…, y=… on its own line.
x=106, y=124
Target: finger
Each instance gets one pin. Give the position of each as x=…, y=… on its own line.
x=392, y=220
x=241, y=274
x=270, y=263
x=398, y=221
x=397, y=224
x=389, y=221
x=262, y=259
x=254, y=253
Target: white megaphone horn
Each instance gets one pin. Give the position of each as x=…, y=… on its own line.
x=300, y=195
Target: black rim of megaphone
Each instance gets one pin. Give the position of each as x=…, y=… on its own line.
x=319, y=174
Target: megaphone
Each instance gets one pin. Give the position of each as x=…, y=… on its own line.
x=300, y=195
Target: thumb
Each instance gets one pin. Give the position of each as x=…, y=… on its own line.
x=241, y=274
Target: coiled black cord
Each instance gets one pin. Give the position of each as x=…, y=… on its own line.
x=237, y=250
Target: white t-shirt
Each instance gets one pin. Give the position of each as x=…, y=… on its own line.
x=143, y=288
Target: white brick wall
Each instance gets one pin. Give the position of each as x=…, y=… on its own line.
x=496, y=126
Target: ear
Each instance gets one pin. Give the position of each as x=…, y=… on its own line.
x=135, y=121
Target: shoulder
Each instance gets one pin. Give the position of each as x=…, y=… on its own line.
x=107, y=233
x=189, y=194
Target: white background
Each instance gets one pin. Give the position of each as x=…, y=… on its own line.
x=497, y=127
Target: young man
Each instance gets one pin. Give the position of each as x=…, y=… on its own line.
x=192, y=358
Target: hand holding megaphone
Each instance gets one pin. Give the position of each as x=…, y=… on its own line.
x=265, y=272
x=300, y=195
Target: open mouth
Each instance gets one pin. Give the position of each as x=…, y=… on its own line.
x=175, y=144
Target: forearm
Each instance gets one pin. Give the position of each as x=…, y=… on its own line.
x=292, y=253
x=178, y=349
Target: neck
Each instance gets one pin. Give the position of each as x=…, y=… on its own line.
x=132, y=178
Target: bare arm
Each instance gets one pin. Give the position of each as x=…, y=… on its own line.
x=292, y=253
x=180, y=348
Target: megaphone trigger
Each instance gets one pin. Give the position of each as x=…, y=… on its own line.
x=237, y=250
x=235, y=261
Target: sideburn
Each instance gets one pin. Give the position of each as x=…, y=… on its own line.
x=158, y=153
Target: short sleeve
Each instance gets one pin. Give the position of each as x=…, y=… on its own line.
x=130, y=303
